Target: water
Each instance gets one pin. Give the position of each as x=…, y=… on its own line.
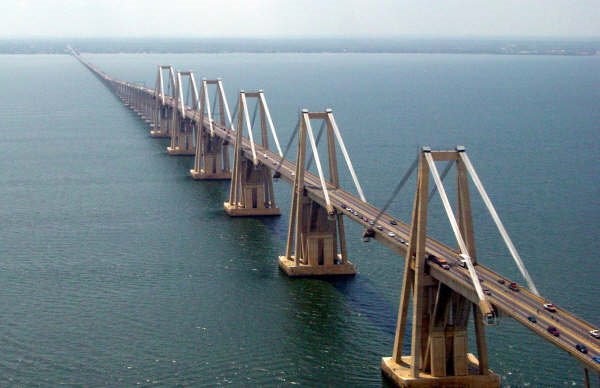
x=117, y=269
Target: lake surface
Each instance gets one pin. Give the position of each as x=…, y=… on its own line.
x=118, y=269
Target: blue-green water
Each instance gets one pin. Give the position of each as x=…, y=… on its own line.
x=117, y=269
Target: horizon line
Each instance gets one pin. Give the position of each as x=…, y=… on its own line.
x=308, y=37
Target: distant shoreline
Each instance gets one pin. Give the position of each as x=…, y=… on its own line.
x=497, y=46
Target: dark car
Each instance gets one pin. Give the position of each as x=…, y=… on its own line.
x=553, y=330
x=368, y=234
x=393, y=222
x=532, y=319
x=514, y=286
x=581, y=348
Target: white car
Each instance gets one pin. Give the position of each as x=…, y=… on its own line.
x=595, y=333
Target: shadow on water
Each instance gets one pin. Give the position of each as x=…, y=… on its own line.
x=365, y=299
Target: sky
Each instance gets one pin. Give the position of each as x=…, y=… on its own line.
x=299, y=18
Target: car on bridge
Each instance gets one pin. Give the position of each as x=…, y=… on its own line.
x=581, y=348
x=439, y=261
x=553, y=330
x=514, y=286
x=596, y=358
x=550, y=307
x=532, y=319
x=595, y=333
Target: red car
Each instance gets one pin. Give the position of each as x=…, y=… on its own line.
x=514, y=286
x=553, y=330
x=439, y=261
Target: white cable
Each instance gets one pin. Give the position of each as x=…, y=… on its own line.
x=346, y=156
x=172, y=79
x=498, y=222
x=249, y=126
x=317, y=160
x=207, y=104
x=195, y=95
x=222, y=91
x=180, y=102
x=161, y=86
x=271, y=126
x=454, y=224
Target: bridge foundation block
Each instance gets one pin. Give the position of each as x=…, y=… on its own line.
x=206, y=175
x=289, y=266
x=400, y=375
x=159, y=134
x=180, y=151
x=240, y=211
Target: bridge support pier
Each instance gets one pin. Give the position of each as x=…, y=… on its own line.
x=251, y=192
x=212, y=152
x=142, y=104
x=317, y=251
x=182, y=137
x=162, y=122
x=440, y=316
x=316, y=229
x=212, y=158
x=182, y=132
x=163, y=114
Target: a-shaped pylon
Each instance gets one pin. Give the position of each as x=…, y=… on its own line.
x=316, y=242
x=251, y=192
x=212, y=152
x=164, y=98
x=440, y=314
x=183, y=128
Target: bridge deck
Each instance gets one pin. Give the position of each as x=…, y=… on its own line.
x=518, y=305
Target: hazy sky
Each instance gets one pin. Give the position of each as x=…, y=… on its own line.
x=278, y=18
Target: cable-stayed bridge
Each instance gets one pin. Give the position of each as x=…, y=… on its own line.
x=445, y=285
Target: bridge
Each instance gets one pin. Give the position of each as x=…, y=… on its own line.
x=446, y=285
